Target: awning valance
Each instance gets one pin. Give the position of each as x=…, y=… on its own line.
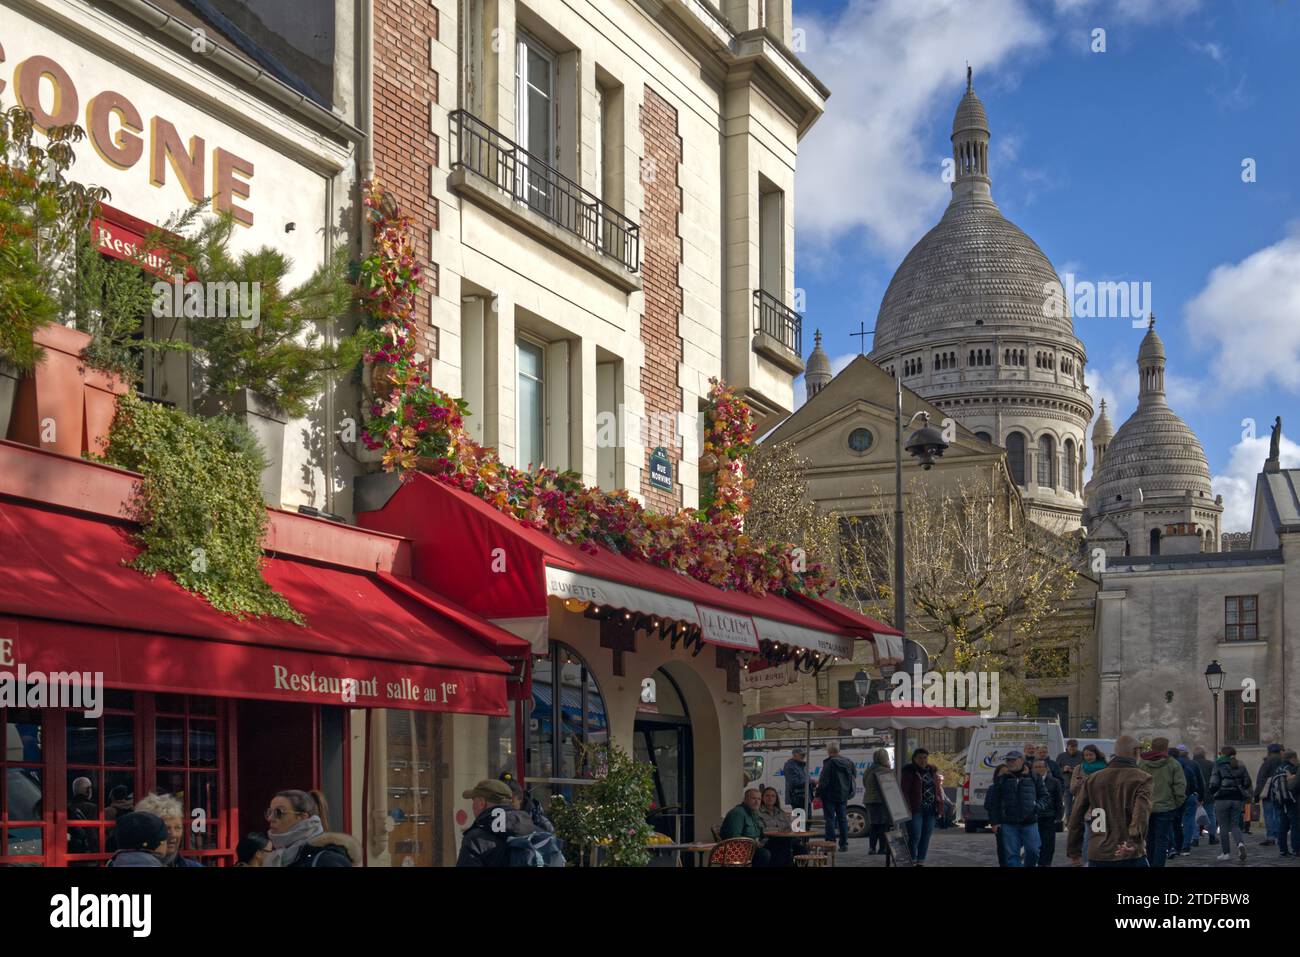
x=68, y=602
x=506, y=571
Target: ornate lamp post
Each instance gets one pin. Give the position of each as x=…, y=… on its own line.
x=862, y=685
x=925, y=445
x=1214, y=681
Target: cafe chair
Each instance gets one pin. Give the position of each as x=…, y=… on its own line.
x=827, y=848
x=733, y=852
x=810, y=860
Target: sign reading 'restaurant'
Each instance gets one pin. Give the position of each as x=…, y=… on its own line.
x=116, y=130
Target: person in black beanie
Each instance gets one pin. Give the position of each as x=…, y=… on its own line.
x=250, y=851
x=141, y=840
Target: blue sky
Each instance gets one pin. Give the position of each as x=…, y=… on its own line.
x=1123, y=165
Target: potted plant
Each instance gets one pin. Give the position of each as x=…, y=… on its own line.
x=609, y=816
x=42, y=213
x=265, y=361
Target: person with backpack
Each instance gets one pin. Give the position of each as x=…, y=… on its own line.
x=1168, y=790
x=1229, y=790
x=835, y=788
x=1266, y=772
x=501, y=835
x=1280, y=791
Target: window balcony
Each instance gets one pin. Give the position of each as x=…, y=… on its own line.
x=778, y=332
x=486, y=166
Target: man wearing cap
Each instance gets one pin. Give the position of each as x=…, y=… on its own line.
x=496, y=820
x=1014, y=801
x=1266, y=771
x=141, y=840
x=796, y=778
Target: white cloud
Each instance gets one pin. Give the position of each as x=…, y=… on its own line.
x=894, y=68
x=1237, y=484
x=1211, y=50
x=1247, y=312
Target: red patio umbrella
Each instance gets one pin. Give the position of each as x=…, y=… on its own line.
x=905, y=715
x=788, y=719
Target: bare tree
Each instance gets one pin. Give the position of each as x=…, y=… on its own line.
x=780, y=509
x=987, y=589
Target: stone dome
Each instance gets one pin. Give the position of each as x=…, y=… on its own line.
x=1103, y=431
x=974, y=269
x=1154, y=450
x=817, y=373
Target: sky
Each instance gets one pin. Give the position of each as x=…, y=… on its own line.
x=1164, y=150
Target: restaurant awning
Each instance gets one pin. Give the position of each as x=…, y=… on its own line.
x=506, y=571
x=69, y=603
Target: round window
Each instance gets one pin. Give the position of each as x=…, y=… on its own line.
x=860, y=440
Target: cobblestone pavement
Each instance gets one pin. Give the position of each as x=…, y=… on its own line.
x=953, y=847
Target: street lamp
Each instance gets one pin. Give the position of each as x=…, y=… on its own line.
x=925, y=445
x=862, y=685
x=1214, y=681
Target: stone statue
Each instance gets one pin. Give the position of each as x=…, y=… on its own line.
x=1275, y=442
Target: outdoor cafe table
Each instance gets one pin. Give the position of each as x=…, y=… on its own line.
x=696, y=848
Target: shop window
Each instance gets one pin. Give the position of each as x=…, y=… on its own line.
x=23, y=834
x=1241, y=618
x=102, y=764
x=568, y=716
x=189, y=758
x=1240, y=718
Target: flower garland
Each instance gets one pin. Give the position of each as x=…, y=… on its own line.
x=418, y=426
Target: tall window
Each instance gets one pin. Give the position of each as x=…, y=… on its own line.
x=1155, y=542
x=1240, y=718
x=1047, y=461
x=1016, y=457
x=535, y=120
x=1241, y=618
x=1070, y=466
x=568, y=712
x=530, y=415
x=771, y=240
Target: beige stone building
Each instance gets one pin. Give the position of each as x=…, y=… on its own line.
x=1162, y=619
x=845, y=431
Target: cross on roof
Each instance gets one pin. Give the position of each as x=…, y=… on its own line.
x=862, y=336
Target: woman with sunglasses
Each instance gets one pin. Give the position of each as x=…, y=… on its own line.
x=296, y=824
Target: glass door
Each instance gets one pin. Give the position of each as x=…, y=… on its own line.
x=535, y=123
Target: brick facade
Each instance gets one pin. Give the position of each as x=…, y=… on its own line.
x=660, y=270
x=405, y=148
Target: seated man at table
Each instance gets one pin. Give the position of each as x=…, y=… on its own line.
x=743, y=821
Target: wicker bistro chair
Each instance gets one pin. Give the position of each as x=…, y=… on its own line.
x=733, y=852
x=827, y=848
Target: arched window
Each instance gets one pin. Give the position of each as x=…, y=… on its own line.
x=578, y=710
x=988, y=357
x=1155, y=541
x=1016, y=457
x=1006, y=357
x=1070, y=466
x=1022, y=357
x=1047, y=461
x=936, y=362
x=984, y=435
x=972, y=358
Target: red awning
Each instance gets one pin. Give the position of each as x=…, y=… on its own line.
x=68, y=602
x=506, y=571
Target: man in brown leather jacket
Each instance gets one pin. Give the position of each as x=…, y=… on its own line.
x=1115, y=804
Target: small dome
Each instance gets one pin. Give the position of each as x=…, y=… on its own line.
x=1152, y=347
x=1102, y=429
x=817, y=374
x=970, y=113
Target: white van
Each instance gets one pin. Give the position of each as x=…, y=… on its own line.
x=988, y=746
x=765, y=769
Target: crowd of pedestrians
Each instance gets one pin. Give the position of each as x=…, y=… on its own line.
x=1139, y=808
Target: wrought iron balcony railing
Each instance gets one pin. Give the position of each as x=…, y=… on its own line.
x=778, y=320
x=478, y=147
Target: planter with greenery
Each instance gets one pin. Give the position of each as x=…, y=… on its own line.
x=266, y=362
x=42, y=213
x=199, y=504
x=610, y=815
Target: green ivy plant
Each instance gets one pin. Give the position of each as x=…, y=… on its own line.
x=610, y=814
x=199, y=504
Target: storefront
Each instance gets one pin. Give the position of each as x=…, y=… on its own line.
x=623, y=650
x=114, y=685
